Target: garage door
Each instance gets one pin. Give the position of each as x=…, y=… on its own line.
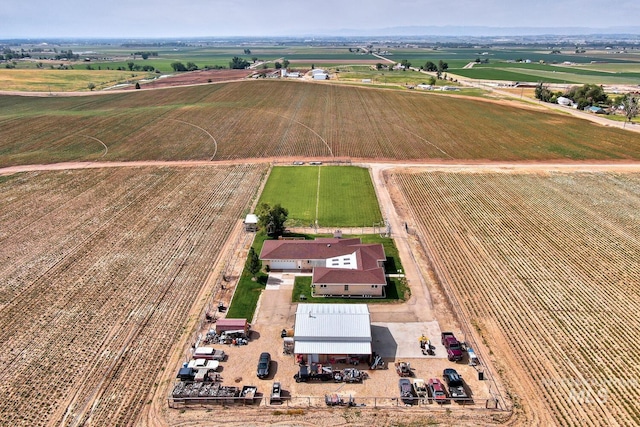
x=283, y=265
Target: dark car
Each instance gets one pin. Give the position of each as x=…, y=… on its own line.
x=406, y=392
x=437, y=391
x=263, y=365
x=455, y=383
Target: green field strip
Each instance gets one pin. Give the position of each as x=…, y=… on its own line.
x=294, y=188
x=347, y=198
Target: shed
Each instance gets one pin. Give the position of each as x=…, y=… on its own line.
x=251, y=222
x=329, y=332
x=223, y=325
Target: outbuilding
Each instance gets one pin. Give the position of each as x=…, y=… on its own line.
x=251, y=222
x=226, y=325
x=330, y=333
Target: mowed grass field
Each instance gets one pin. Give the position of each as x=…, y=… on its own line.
x=335, y=196
x=265, y=119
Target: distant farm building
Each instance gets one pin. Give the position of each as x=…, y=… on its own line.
x=564, y=101
x=319, y=74
x=293, y=74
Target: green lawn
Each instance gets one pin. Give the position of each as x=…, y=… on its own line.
x=346, y=197
x=245, y=298
x=295, y=188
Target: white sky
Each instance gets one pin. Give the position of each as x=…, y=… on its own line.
x=220, y=18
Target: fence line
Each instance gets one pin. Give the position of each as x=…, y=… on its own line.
x=366, y=402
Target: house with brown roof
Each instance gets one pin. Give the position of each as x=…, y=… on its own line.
x=340, y=267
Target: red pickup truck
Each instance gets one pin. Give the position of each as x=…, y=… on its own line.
x=453, y=346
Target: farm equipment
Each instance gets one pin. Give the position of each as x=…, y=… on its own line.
x=378, y=363
x=349, y=375
x=427, y=348
x=337, y=400
x=248, y=393
x=404, y=369
x=315, y=372
x=287, y=345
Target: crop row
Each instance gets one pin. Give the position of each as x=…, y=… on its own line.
x=553, y=261
x=92, y=319
x=276, y=119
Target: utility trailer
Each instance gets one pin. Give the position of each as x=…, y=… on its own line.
x=314, y=372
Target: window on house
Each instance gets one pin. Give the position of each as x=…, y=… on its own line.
x=323, y=286
x=346, y=287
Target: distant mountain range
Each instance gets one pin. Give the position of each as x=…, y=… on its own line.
x=483, y=31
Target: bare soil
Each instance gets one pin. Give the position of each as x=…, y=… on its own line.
x=196, y=77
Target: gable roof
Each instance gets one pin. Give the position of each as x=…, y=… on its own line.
x=319, y=249
x=367, y=256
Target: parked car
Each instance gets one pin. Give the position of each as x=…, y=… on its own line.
x=263, y=365
x=437, y=391
x=406, y=392
x=455, y=383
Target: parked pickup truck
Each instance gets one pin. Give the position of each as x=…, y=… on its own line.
x=453, y=346
x=455, y=383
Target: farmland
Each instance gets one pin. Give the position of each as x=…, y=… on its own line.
x=545, y=267
x=101, y=269
x=266, y=119
x=329, y=196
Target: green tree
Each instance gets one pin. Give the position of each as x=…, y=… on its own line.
x=543, y=93
x=432, y=80
x=130, y=65
x=253, y=264
x=587, y=95
x=379, y=66
x=272, y=219
x=191, y=66
x=405, y=63
x=254, y=59
x=91, y=86
x=137, y=85
x=430, y=66
x=442, y=66
x=278, y=65
x=285, y=63
x=630, y=104
x=178, y=66
x=238, y=63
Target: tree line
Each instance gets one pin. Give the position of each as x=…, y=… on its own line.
x=590, y=95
